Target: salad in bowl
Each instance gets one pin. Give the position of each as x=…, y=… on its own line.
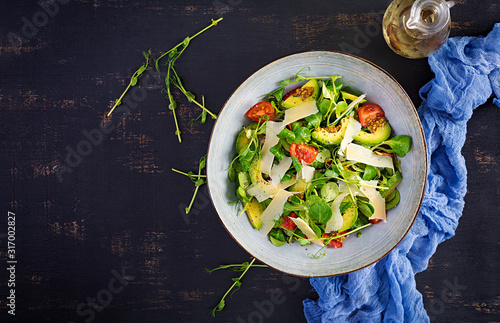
x=297, y=177
x=317, y=163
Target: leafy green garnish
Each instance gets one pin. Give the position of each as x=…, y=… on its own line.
x=133, y=80
x=173, y=79
x=237, y=282
x=320, y=212
x=287, y=135
x=344, y=206
x=235, y=267
x=369, y=173
x=198, y=179
x=296, y=164
x=400, y=145
x=302, y=134
x=278, y=151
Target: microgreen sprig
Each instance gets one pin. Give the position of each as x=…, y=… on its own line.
x=198, y=179
x=235, y=267
x=214, y=23
x=133, y=80
x=237, y=282
x=173, y=78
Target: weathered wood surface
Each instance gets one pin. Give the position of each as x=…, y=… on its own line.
x=116, y=211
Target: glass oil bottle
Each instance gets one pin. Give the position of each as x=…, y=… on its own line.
x=417, y=28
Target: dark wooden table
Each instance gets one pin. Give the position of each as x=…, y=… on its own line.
x=109, y=228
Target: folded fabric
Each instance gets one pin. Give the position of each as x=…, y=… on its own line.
x=467, y=72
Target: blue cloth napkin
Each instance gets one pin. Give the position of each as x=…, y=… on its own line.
x=467, y=72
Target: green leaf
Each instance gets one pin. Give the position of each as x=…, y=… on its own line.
x=246, y=157
x=303, y=242
x=296, y=164
x=172, y=105
x=329, y=191
x=331, y=173
x=186, y=41
x=287, y=134
x=324, y=106
x=203, y=162
x=278, y=151
x=401, y=144
x=369, y=173
x=320, y=212
x=302, y=134
x=366, y=208
x=314, y=120
x=344, y=206
x=190, y=96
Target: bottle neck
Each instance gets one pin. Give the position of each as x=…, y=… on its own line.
x=428, y=17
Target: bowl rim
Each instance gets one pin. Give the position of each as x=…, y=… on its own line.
x=426, y=163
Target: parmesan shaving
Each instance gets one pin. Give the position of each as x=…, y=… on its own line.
x=262, y=190
x=273, y=211
x=364, y=155
x=306, y=229
x=300, y=112
x=376, y=200
x=287, y=184
x=307, y=173
x=336, y=221
x=278, y=171
x=272, y=129
x=352, y=128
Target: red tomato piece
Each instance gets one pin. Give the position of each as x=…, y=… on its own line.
x=373, y=221
x=334, y=243
x=288, y=223
x=259, y=110
x=369, y=114
x=294, y=92
x=303, y=152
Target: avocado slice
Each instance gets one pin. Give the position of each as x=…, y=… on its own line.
x=254, y=172
x=307, y=92
x=243, y=139
x=299, y=186
x=373, y=138
x=328, y=136
x=352, y=97
x=350, y=216
x=254, y=210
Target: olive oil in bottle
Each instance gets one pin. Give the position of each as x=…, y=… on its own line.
x=417, y=28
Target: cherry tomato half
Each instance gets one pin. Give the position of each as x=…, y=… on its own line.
x=303, y=152
x=334, y=243
x=259, y=110
x=294, y=92
x=369, y=114
x=288, y=223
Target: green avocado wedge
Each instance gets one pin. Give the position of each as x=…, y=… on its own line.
x=308, y=92
x=373, y=138
x=243, y=139
x=254, y=211
x=254, y=172
x=329, y=137
x=350, y=216
x=351, y=97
